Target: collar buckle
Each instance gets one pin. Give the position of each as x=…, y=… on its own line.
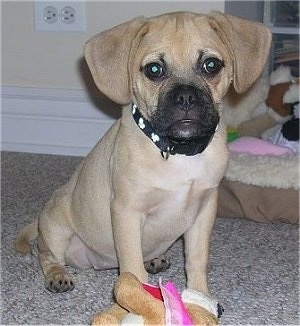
x=165, y=154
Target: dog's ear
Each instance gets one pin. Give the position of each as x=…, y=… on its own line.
x=108, y=57
x=248, y=44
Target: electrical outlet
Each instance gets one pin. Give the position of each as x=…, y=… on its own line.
x=50, y=15
x=59, y=16
x=68, y=15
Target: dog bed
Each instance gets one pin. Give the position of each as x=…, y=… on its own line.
x=264, y=188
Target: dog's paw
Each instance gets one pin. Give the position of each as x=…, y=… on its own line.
x=59, y=282
x=157, y=265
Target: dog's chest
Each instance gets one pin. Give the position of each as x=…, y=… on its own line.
x=177, y=194
x=171, y=213
x=183, y=175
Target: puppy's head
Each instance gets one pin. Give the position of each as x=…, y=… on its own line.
x=177, y=67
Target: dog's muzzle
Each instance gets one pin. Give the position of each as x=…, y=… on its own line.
x=176, y=145
x=192, y=146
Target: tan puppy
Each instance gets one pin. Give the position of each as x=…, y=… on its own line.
x=154, y=176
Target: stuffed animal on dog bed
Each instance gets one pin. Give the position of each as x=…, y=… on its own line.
x=287, y=133
x=144, y=304
x=262, y=178
x=265, y=105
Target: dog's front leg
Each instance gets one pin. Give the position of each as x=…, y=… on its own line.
x=127, y=230
x=197, y=240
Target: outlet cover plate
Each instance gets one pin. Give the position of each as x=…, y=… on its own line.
x=41, y=24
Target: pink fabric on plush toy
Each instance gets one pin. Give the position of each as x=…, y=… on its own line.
x=176, y=313
x=256, y=146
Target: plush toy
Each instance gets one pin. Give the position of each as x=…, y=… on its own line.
x=262, y=107
x=290, y=129
x=278, y=104
x=144, y=304
x=287, y=134
x=279, y=140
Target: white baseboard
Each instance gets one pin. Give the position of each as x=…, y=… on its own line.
x=51, y=121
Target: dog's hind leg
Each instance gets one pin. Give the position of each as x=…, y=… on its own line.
x=52, y=259
x=53, y=241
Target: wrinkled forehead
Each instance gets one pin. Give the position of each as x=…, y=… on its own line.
x=180, y=37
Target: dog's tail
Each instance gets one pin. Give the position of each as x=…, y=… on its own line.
x=25, y=236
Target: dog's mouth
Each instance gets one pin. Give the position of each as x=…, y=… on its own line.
x=189, y=136
x=189, y=129
x=183, y=129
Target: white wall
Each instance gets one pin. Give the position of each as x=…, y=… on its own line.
x=42, y=59
x=33, y=61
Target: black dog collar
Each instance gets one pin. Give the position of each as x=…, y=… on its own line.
x=168, y=146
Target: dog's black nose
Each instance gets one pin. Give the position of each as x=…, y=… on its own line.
x=185, y=96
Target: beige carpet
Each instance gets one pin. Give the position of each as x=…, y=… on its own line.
x=254, y=268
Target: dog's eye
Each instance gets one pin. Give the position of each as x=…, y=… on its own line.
x=154, y=71
x=211, y=66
